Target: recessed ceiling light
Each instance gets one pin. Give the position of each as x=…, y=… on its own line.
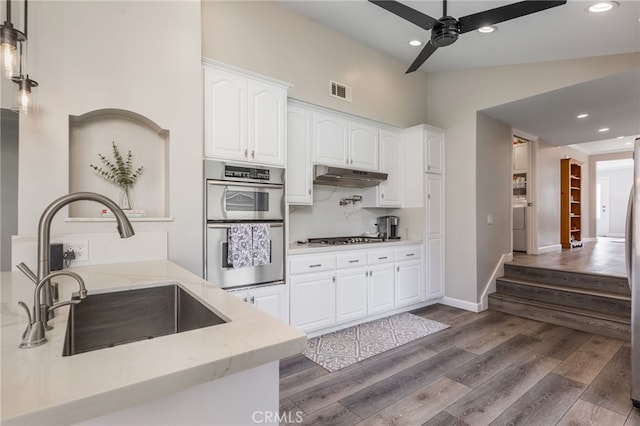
x=603, y=6
x=582, y=116
x=604, y=129
x=627, y=143
x=487, y=29
x=415, y=43
x=620, y=137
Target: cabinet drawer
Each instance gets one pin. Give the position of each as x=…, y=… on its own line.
x=311, y=264
x=348, y=260
x=409, y=253
x=380, y=256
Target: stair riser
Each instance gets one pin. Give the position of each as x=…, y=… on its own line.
x=570, y=320
x=604, y=283
x=557, y=296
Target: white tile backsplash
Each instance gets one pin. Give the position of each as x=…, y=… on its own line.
x=327, y=218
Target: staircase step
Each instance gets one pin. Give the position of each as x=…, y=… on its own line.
x=582, y=280
x=576, y=318
x=593, y=300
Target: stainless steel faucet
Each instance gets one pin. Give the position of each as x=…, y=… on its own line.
x=42, y=279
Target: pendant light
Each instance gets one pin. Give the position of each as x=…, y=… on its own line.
x=14, y=45
x=9, y=39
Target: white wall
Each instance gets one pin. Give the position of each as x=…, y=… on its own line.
x=274, y=40
x=494, y=189
x=143, y=57
x=547, y=187
x=453, y=99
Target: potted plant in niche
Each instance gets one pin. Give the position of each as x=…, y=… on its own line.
x=121, y=173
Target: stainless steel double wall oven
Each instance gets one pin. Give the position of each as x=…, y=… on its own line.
x=237, y=194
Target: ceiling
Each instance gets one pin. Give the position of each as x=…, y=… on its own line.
x=563, y=32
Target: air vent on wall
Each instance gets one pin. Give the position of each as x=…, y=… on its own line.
x=340, y=90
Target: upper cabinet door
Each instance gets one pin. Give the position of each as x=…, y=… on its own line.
x=435, y=151
x=299, y=167
x=390, y=191
x=267, y=109
x=363, y=146
x=225, y=97
x=330, y=140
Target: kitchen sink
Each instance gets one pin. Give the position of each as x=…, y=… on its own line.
x=108, y=319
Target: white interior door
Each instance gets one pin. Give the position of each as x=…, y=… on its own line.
x=603, y=203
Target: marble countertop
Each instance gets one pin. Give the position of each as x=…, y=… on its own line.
x=298, y=248
x=40, y=386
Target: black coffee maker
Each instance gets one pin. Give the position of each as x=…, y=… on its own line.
x=388, y=226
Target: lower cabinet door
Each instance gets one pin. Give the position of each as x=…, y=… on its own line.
x=273, y=300
x=408, y=283
x=313, y=300
x=381, y=288
x=351, y=290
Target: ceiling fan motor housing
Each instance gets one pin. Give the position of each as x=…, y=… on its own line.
x=445, y=31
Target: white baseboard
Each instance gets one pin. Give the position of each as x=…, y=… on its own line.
x=490, y=287
x=549, y=249
x=462, y=304
x=590, y=240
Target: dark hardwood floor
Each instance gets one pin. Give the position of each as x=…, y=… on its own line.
x=488, y=368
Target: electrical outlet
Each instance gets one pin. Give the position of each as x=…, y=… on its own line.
x=80, y=247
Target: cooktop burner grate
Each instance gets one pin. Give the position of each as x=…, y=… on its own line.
x=335, y=241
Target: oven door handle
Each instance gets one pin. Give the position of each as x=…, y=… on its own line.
x=244, y=185
x=228, y=225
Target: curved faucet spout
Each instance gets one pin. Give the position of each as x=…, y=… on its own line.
x=44, y=227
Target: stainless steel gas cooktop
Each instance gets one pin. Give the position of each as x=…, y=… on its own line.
x=338, y=241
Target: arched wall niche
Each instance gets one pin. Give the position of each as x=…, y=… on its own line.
x=93, y=133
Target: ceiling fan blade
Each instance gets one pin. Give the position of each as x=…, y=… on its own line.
x=414, y=16
x=422, y=57
x=504, y=13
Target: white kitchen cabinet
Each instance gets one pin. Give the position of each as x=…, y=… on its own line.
x=408, y=283
x=342, y=142
x=381, y=288
x=274, y=300
x=351, y=292
x=299, y=166
x=434, y=159
x=330, y=139
x=313, y=300
x=413, y=167
x=435, y=268
x=434, y=235
x=363, y=146
x=391, y=160
x=244, y=116
x=520, y=157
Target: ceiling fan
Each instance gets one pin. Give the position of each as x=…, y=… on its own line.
x=445, y=31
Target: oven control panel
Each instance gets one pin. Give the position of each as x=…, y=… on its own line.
x=246, y=173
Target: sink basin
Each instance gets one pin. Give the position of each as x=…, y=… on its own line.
x=109, y=319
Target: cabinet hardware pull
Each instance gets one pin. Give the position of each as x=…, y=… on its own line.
x=244, y=298
x=333, y=279
x=382, y=196
x=351, y=161
x=246, y=152
x=382, y=258
x=309, y=191
x=410, y=254
x=253, y=154
x=316, y=265
x=398, y=269
x=428, y=196
x=354, y=261
x=370, y=273
x=253, y=300
x=428, y=167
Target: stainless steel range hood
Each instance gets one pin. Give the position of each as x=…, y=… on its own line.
x=337, y=176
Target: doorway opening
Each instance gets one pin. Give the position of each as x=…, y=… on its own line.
x=614, y=179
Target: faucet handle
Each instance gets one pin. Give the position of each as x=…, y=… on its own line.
x=28, y=272
x=26, y=308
